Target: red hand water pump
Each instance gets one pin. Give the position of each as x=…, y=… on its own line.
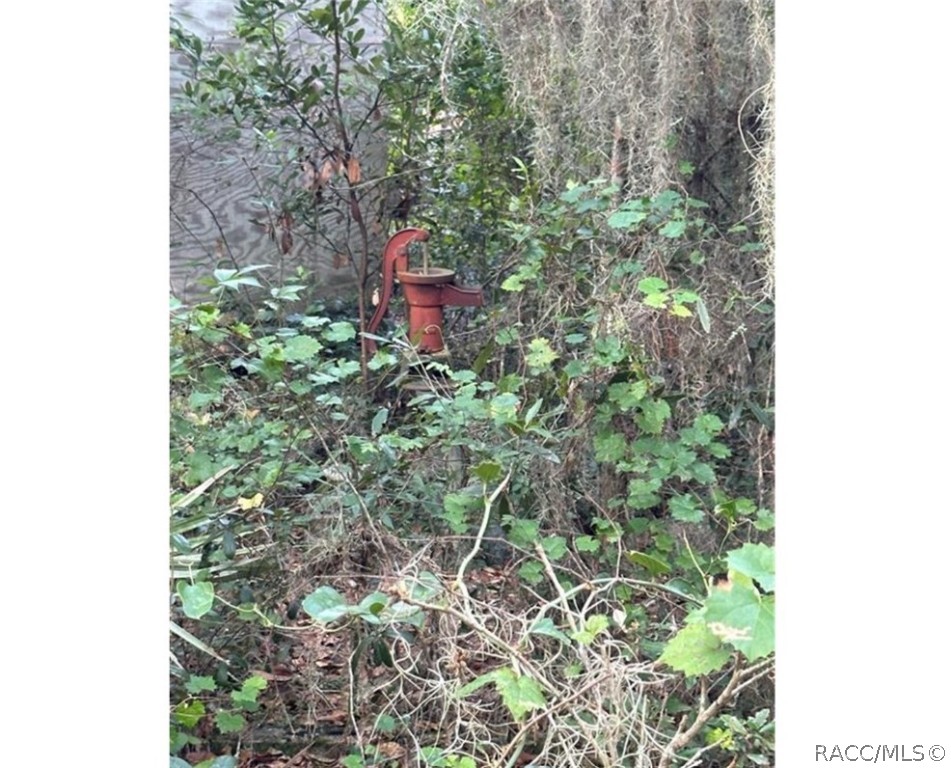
x=426, y=291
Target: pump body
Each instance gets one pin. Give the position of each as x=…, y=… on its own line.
x=426, y=291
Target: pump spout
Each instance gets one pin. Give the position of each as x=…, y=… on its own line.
x=460, y=296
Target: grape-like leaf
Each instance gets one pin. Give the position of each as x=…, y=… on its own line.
x=740, y=616
x=325, y=604
x=229, y=722
x=197, y=599
x=198, y=684
x=299, y=349
x=695, y=650
x=757, y=561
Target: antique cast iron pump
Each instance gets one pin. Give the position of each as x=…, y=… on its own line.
x=426, y=291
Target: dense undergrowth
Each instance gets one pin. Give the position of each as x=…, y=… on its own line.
x=551, y=545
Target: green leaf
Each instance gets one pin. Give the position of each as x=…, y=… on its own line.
x=740, y=616
x=188, y=713
x=626, y=219
x=555, y=547
x=684, y=508
x=642, y=494
x=653, y=415
x=540, y=354
x=378, y=421
x=197, y=684
x=197, y=599
x=679, y=310
x=177, y=762
x=458, y=509
x=545, y=626
x=299, y=349
x=587, y=544
x=593, y=626
x=610, y=447
x=757, y=561
x=674, y=228
x=325, y=604
x=531, y=572
x=653, y=564
x=385, y=723
x=520, y=693
x=656, y=300
x=229, y=722
x=651, y=285
x=523, y=533
x=224, y=761
x=695, y=650
x=487, y=471
x=341, y=331
x=627, y=394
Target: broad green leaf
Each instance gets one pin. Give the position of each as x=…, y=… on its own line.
x=555, y=547
x=540, y=354
x=684, y=508
x=679, y=310
x=177, y=762
x=642, y=494
x=740, y=616
x=188, y=713
x=674, y=228
x=341, y=331
x=458, y=510
x=247, y=696
x=531, y=572
x=625, y=219
x=520, y=693
x=373, y=604
x=627, y=394
x=523, y=533
x=666, y=200
x=653, y=414
x=197, y=599
x=198, y=684
x=325, y=604
x=229, y=722
x=652, y=285
x=610, y=446
x=224, y=761
x=587, y=544
x=300, y=349
x=757, y=561
x=695, y=650
x=656, y=300
x=655, y=565
x=593, y=626
x=545, y=626
x=487, y=471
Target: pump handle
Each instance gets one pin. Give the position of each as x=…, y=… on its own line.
x=395, y=259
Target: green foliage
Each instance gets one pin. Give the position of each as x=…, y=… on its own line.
x=203, y=702
x=735, y=615
x=520, y=693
